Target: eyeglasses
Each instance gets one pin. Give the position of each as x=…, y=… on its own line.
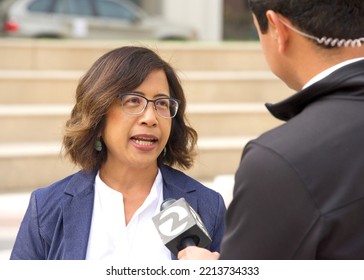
x=135, y=104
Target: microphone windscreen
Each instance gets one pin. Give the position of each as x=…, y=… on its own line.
x=168, y=202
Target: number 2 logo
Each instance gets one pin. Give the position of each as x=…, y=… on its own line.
x=173, y=221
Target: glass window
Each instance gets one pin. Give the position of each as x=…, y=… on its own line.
x=43, y=6
x=109, y=9
x=74, y=7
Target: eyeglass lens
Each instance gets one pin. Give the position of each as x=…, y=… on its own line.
x=133, y=104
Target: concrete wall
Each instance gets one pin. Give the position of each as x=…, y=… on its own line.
x=204, y=15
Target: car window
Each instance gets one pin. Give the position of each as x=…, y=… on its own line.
x=73, y=7
x=110, y=9
x=40, y=6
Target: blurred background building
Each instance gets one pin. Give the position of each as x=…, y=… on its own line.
x=214, y=19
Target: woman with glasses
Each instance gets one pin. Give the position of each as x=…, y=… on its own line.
x=128, y=133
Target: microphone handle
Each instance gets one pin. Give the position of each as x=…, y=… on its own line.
x=187, y=241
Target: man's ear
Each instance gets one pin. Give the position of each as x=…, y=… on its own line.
x=278, y=30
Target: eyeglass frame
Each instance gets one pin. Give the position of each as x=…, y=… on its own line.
x=121, y=95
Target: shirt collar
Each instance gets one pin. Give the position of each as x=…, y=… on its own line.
x=328, y=71
x=110, y=238
x=107, y=193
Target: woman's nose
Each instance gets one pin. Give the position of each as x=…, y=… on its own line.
x=149, y=116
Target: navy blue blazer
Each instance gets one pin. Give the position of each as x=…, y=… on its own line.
x=57, y=223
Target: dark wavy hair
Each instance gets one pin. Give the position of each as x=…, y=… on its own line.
x=122, y=70
x=342, y=19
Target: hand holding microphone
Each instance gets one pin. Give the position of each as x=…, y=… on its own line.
x=179, y=226
x=197, y=253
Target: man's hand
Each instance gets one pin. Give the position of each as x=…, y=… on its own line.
x=197, y=253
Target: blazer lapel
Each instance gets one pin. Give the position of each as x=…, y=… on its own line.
x=77, y=215
x=176, y=185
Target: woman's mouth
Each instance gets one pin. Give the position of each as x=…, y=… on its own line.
x=144, y=142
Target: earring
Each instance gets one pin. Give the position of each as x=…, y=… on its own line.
x=98, y=145
x=164, y=151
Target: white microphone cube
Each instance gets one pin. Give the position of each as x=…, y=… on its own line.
x=178, y=222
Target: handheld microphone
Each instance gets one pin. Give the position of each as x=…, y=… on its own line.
x=179, y=226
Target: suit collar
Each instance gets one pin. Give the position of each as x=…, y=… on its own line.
x=177, y=185
x=78, y=214
x=347, y=80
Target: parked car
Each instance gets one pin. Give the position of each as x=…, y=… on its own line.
x=101, y=19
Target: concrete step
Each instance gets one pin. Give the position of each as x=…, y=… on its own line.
x=12, y=209
x=230, y=119
x=37, y=87
x=26, y=166
x=233, y=86
x=41, y=86
x=23, y=123
x=80, y=54
x=218, y=156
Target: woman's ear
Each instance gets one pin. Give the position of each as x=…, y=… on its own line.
x=278, y=30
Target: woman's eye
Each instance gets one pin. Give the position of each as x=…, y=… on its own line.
x=163, y=103
x=132, y=101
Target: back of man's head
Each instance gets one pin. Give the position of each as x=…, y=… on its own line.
x=341, y=19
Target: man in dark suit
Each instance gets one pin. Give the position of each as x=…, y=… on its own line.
x=299, y=189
